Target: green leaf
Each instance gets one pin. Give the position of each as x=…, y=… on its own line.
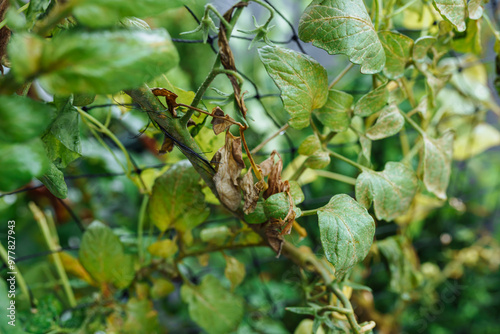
x=388, y=123
x=177, y=200
x=62, y=140
x=215, y=235
x=372, y=102
x=23, y=118
x=19, y=163
x=35, y=10
x=476, y=9
x=397, y=49
x=342, y=26
x=310, y=145
x=212, y=307
x=453, y=10
x=163, y=248
x=258, y=216
x=437, y=163
x=296, y=192
x=278, y=205
x=53, y=179
x=81, y=100
x=234, y=272
x=421, y=47
x=104, y=13
x=141, y=317
x=303, y=82
x=475, y=140
x=335, y=114
x=101, y=254
x=318, y=160
x=391, y=190
x=469, y=41
x=346, y=231
x=94, y=62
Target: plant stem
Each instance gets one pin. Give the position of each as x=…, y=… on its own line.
x=402, y=8
x=140, y=226
x=277, y=133
x=409, y=94
x=413, y=124
x=19, y=11
x=249, y=155
x=349, y=161
x=309, y=212
x=336, y=176
x=19, y=277
x=347, y=304
x=340, y=76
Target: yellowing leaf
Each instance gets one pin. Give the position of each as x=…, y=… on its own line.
x=73, y=266
x=235, y=271
x=482, y=137
x=163, y=248
x=437, y=164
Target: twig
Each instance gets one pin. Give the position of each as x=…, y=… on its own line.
x=277, y=133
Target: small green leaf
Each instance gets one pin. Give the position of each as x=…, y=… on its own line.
x=212, y=307
x=177, y=200
x=258, y=216
x=163, y=248
x=476, y=9
x=53, y=179
x=318, y=160
x=343, y=26
x=310, y=145
x=278, y=205
x=296, y=192
x=372, y=102
x=335, y=114
x=234, y=272
x=469, y=41
x=161, y=288
x=421, y=47
x=388, y=123
x=346, y=231
x=397, y=49
x=101, y=254
x=437, y=163
x=302, y=80
x=391, y=190
x=19, y=163
x=23, y=118
x=453, y=10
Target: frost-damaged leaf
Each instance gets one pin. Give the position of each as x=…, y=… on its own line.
x=437, y=163
x=310, y=145
x=229, y=162
x=335, y=114
x=177, y=200
x=346, y=231
x=101, y=254
x=364, y=156
x=388, y=123
x=53, y=179
x=372, y=102
x=234, y=272
x=421, y=47
x=391, y=190
x=212, y=307
x=397, y=49
x=220, y=124
x=476, y=9
x=302, y=80
x=343, y=26
x=453, y=10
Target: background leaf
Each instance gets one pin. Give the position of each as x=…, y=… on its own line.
x=335, y=114
x=397, y=49
x=302, y=80
x=346, y=231
x=342, y=26
x=234, y=272
x=388, y=123
x=421, y=47
x=391, y=190
x=453, y=11
x=437, y=164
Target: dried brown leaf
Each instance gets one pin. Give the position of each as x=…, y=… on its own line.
x=167, y=146
x=251, y=192
x=220, y=124
x=275, y=184
x=274, y=237
x=267, y=165
x=229, y=162
x=170, y=98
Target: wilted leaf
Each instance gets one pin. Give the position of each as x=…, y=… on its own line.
x=421, y=47
x=318, y=160
x=234, y=272
x=212, y=307
x=266, y=166
x=335, y=114
x=397, y=49
x=482, y=137
x=177, y=200
x=388, y=123
x=372, y=102
x=346, y=231
x=101, y=254
x=391, y=190
x=274, y=182
x=229, y=162
x=437, y=164
x=452, y=10
x=170, y=98
x=310, y=145
x=23, y=118
x=476, y=9
x=221, y=124
x=251, y=191
x=343, y=27
x=73, y=266
x=163, y=248
x=303, y=82
x=53, y=179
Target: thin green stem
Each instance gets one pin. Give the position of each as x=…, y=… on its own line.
x=214, y=10
x=349, y=161
x=402, y=8
x=347, y=304
x=409, y=93
x=413, y=124
x=340, y=76
x=19, y=11
x=492, y=28
x=19, y=277
x=299, y=172
x=336, y=176
x=269, y=8
x=309, y=212
x=140, y=226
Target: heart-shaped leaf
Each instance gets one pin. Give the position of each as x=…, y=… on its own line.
x=437, y=163
x=388, y=123
x=335, y=114
x=454, y=11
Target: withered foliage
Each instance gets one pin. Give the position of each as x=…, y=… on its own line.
x=222, y=122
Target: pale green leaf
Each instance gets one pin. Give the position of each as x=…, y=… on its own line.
x=296, y=192
x=437, y=164
x=347, y=232
x=421, y=47
x=335, y=114
x=318, y=160
x=53, y=179
x=372, y=102
x=212, y=307
x=177, y=200
x=215, y=235
x=343, y=26
x=476, y=9
x=453, y=10
x=163, y=248
x=234, y=272
x=364, y=157
x=310, y=145
x=482, y=137
x=388, y=123
x=302, y=80
x=397, y=49
x=391, y=191
x=141, y=317
x=469, y=41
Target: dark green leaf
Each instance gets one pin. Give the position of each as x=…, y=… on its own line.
x=302, y=80
x=421, y=47
x=101, y=254
x=397, y=49
x=258, y=216
x=212, y=307
x=278, y=205
x=36, y=9
x=19, y=163
x=437, y=164
x=310, y=145
x=301, y=310
x=372, y=102
x=388, y=123
x=53, y=179
x=81, y=100
x=22, y=118
x=177, y=200
x=391, y=190
x=343, y=26
x=335, y=114
x=452, y=10
x=346, y=231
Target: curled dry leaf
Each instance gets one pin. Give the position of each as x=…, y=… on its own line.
x=170, y=98
x=267, y=165
x=275, y=184
x=220, y=124
x=274, y=237
x=167, y=146
x=228, y=163
x=251, y=192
